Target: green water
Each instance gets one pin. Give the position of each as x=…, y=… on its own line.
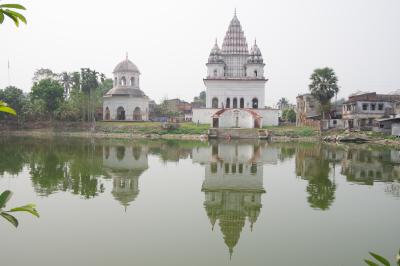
x=198, y=203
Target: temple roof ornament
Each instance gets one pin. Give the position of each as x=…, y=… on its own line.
x=235, y=41
x=255, y=56
x=215, y=55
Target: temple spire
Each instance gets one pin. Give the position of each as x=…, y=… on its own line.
x=126, y=55
x=234, y=14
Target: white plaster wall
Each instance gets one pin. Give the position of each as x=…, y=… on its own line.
x=203, y=116
x=396, y=129
x=270, y=117
x=218, y=67
x=228, y=119
x=128, y=75
x=258, y=67
x=246, y=89
x=128, y=103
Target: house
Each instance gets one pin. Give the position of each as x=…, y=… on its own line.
x=390, y=126
x=362, y=109
x=308, y=110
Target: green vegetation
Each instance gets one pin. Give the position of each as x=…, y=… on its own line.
x=323, y=87
x=382, y=261
x=5, y=109
x=150, y=128
x=4, y=198
x=289, y=115
x=7, y=10
x=292, y=131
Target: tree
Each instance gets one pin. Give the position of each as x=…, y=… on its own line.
x=66, y=81
x=44, y=73
x=323, y=87
x=283, y=103
x=289, y=115
x=13, y=96
x=7, y=10
x=50, y=91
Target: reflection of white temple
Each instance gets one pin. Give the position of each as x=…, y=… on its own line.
x=233, y=184
x=125, y=164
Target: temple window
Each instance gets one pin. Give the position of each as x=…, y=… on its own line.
x=214, y=103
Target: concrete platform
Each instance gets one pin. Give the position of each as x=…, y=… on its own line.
x=237, y=133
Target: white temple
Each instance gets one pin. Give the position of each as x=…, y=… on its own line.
x=235, y=85
x=125, y=101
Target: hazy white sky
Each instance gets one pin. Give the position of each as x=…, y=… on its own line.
x=170, y=41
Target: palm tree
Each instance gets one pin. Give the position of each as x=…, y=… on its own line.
x=6, y=10
x=66, y=81
x=282, y=103
x=323, y=87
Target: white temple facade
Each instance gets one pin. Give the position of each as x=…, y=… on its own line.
x=126, y=101
x=235, y=85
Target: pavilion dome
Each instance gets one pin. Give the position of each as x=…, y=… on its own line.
x=126, y=66
x=255, y=56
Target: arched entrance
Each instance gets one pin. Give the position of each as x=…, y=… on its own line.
x=254, y=103
x=120, y=113
x=214, y=103
x=241, y=103
x=107, y=114
x=234, y=102
x=137, y=114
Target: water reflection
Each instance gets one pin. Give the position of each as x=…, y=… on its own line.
x=233, y=184
x=125, y=164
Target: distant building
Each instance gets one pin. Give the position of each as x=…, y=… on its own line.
x=362, y=109
x=235, y=85
x=125, y=101
x=307, y=108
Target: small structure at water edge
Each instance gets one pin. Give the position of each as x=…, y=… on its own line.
x=126, y=101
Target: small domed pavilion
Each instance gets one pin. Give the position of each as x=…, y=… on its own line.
x=126, y=101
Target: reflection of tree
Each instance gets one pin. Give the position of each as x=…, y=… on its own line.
x=312, y=165
x=321, y=193
x=12, y=157
x=57, y=165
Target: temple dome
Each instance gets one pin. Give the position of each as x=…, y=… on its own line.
x=255, y=56
x=126, y=66
x=235, y=41
x=215, y=55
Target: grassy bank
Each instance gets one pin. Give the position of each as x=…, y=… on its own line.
x=292, y=131
x=150, y=128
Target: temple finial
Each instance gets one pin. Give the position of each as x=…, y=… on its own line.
x=255, y=41
x=126, y=55
x=235, y=12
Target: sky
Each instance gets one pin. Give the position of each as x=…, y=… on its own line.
x=170, y=42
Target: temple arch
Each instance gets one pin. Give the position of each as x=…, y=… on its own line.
x=107, y=114
x=137, y=114
x=254, y=103
x=120, y=113
x=234, y=103
x=214, y=103
x=241, y=103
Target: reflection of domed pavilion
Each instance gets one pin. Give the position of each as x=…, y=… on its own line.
x=125, y=164
x=233, y=184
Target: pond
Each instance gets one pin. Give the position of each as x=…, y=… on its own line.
x=115, y=202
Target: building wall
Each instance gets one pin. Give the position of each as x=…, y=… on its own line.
x=396, y=129
x=228, y=119
x=270, y=117
x=223, y=89
x=128, y=103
